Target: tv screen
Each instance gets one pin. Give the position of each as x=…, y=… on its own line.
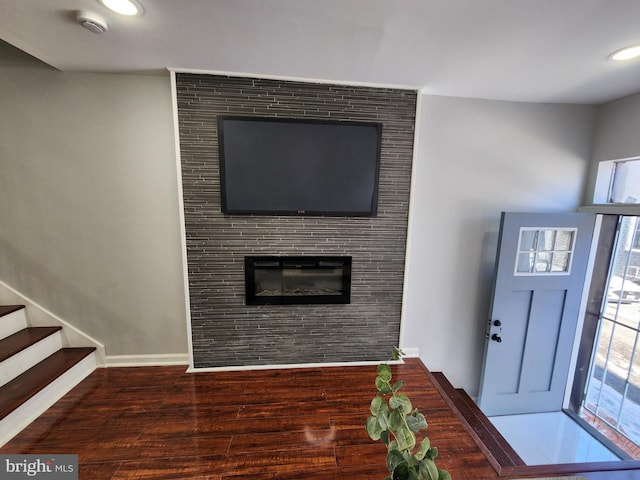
x=298, y=166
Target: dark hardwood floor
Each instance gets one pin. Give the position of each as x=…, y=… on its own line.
x=163, y=423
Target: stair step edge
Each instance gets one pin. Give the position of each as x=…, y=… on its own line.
x=35, y=406
x=21, y=361
x=28, y=384
x=7, y=309
x=23, y=339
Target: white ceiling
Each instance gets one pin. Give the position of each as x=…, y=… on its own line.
x=520, y=50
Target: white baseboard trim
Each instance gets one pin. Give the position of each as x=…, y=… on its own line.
x=411, y=352
x=289, y=365
x=146, y=360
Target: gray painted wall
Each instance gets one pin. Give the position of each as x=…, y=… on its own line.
x=227, y=332
x=89, y=217
x=616, y=136
x=475, y=159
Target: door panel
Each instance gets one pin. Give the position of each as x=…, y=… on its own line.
x=540, y=273
x=541, y=349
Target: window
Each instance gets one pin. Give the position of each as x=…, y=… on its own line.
x=618, y=181
x=613, y=390
x=635, y=244
x=544, y=251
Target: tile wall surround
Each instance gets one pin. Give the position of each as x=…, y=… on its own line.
x=226, y=332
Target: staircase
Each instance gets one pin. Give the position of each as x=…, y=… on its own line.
x=36, y=369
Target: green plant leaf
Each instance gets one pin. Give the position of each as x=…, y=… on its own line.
x=394, y=458
x=425, y=444
x=383, y=386
x=413, y=424
x=432, y=453
x=396, y=353
x=378, y=404
x=373, y=428
x=396, y=420
x=401, y=472
x=420, y=417
x=405, y=438
x=443, y=475
x=401, y=402
x=384, y=436
x=413, y=473
x=416, y=421
x=384, y=371
x=383, y=419
x=428, y=470
x=411, y=459
x=397, y=386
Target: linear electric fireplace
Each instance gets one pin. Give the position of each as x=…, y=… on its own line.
x=297, y=280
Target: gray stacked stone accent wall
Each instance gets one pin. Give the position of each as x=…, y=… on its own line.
x=225, y=331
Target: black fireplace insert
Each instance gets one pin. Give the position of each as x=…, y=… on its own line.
x=297, y=280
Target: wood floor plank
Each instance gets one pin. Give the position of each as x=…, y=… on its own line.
x=200, y=468
x=271, y=462
x=97, y=470
x=279, y=396
x=276, y=440
x=163, y=423
x=132, y=447
x=241, y=426
x=286, y=409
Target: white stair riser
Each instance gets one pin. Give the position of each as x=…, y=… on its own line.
x=13, y=423
x=27, y=358
x=12, y=323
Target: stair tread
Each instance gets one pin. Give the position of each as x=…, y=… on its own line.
x=7, y=309
x=17, y=342
x=27, y=385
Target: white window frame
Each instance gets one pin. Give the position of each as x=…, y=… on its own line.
x=519, y=250
x=603, y=188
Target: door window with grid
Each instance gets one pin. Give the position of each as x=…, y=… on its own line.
x=544, y=251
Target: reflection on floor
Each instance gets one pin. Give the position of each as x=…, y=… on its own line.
x=550, y=438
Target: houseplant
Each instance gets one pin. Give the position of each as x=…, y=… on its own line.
x=394, y=421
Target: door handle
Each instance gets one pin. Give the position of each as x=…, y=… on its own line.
x=496, y=338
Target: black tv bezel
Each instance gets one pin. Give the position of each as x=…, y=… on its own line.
x=372, y=212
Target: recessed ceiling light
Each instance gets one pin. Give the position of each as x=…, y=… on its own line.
x=123, y=7
x=626, y=53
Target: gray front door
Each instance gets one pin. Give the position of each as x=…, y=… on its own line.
x=540, y=274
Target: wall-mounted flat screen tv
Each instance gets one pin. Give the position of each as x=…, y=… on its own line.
x=290, y=166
